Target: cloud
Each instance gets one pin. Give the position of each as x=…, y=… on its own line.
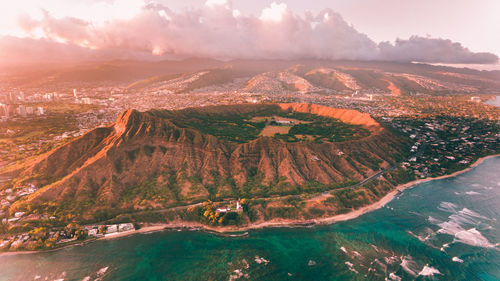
x=217, y=30
x=274, y=13
x=432, y=50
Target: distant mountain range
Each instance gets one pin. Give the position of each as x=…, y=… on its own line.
x=264, y=76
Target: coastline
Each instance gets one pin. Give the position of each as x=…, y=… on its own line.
x=297, y=223
x=180, y=225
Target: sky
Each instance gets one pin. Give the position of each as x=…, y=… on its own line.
x=437, y=31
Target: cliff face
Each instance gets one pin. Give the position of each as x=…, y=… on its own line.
x=184, y=164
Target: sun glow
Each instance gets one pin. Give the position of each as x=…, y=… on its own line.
x=95, y=13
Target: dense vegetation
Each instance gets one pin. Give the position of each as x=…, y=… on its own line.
x=325, y=129
x=234, y=128
x=241, y=128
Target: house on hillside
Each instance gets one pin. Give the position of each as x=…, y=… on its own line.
x=280, y=122
x=93, y=232
x=125, y=227
x=284, y=122
x=232, y=207
x=111, y=228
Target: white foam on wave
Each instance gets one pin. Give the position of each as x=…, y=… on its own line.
x=449, y=227
x=472, y=237
x=471, y=213
x=444, y=247
x=409, y=265
x=462, y=225
x=472, y=193
x=447, y=207
x=391, y=260
x=421, y=238
x=428, y=271
x=376, y=262
x=102, y=270
x=457, y=259
x=351, y=267
x=433, y=220
x=394, y=277
x=260, y=260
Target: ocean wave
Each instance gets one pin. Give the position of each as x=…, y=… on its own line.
x=447, y=207
x=351, y=267
x=471, y=213
x=472, y=193
x=462, y=225
x=260, y=260
x=394, y=277
x=459, y=221
x=238, y=234
x=409, y=265
x=415, y=213
x=428, y=271
x=472, y=237
x=421, y=238
x=103, y=270
x=433, y=220
x=449, y=227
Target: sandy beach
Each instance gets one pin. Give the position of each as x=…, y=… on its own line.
x=272, y=223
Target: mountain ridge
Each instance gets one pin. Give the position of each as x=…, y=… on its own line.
x=185, y=165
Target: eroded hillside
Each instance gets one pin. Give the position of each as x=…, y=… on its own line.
x=153, y=160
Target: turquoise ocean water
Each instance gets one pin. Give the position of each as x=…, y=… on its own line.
x=443, y=230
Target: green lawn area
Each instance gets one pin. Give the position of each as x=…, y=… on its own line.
x=242, y=128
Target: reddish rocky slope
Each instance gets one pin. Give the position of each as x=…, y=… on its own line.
x=187, y=165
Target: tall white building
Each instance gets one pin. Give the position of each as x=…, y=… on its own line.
x=4, y=111
x=29, y=110
x=21, y=111
x=40, y=111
